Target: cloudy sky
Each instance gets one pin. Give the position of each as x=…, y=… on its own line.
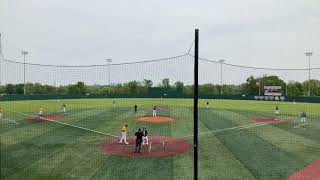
x=262, y=33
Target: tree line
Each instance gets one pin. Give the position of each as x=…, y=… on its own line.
x=250, y=87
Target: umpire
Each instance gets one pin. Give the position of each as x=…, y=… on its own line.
x=139, y=135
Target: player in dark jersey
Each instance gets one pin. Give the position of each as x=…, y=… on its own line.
x=135, y=108
x=145, y=140
x=139, y=136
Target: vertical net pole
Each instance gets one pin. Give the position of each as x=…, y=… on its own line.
x=195, y=98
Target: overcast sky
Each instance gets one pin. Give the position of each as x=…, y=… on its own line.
x=262, y=33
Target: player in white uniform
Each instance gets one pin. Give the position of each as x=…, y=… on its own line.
x=63, y=108
x=277, y=110
x=145, y=139
x=154, y=112
x=304, y=117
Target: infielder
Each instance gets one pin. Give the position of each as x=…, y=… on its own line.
x=154, y=112
x=40, y=111
x=304, y=117
x=124, y=131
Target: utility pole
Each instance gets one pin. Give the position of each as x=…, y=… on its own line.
x=24, y=53
x=221, y=61
x=309, y=54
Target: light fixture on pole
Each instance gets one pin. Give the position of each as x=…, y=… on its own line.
x=108, y=63
x=24, y=53
x=221, y=61
x=309, y=54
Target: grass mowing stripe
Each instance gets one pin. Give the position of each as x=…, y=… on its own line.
x=29, y=129
x=78, y=159
x=253, y=151
x=305, y=148
x=39, y=146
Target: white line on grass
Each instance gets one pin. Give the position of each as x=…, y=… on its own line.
x=83, y=128
x=300, y=125
x=246, y=126
x=11, y=121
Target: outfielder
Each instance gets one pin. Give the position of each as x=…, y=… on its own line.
x=304, y=117
x=277, y=110
x=154, y=112
x=63, y=108
x=1, y=111
x=124, y=131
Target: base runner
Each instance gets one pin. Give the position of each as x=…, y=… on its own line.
x=124, y=131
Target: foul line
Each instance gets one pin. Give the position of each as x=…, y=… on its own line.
x=247, y=126
x=300, y=125
x=11, y=121
x=83, y=128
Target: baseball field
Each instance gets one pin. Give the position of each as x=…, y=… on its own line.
x=238, y=140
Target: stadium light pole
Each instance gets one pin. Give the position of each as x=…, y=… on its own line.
x=309, y=54
x=108, y=63
x=221, y=61
x=24, y=53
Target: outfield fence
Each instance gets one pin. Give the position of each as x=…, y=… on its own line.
x=75, y=125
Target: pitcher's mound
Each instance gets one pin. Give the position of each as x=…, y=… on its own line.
x=156, y=119
x=159, y=146
x=46, y=118
x=271, y=120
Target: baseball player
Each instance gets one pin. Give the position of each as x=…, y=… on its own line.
x=40, y=111
x=154, y=112
x=1, y=112
x=304, y=117
x=139, y=136
x=277, y=110
x=135, y=108
x=124, y=131
x=207, y=105
x=145, y=140
x=63, y=108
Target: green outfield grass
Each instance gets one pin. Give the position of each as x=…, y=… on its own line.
x=40, y=150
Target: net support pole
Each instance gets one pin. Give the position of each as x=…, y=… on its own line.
x=195, y=105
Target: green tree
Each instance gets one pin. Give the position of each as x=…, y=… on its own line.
x=147, y=83
x=166, y=83
x=179, y=85
x=10, y=89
